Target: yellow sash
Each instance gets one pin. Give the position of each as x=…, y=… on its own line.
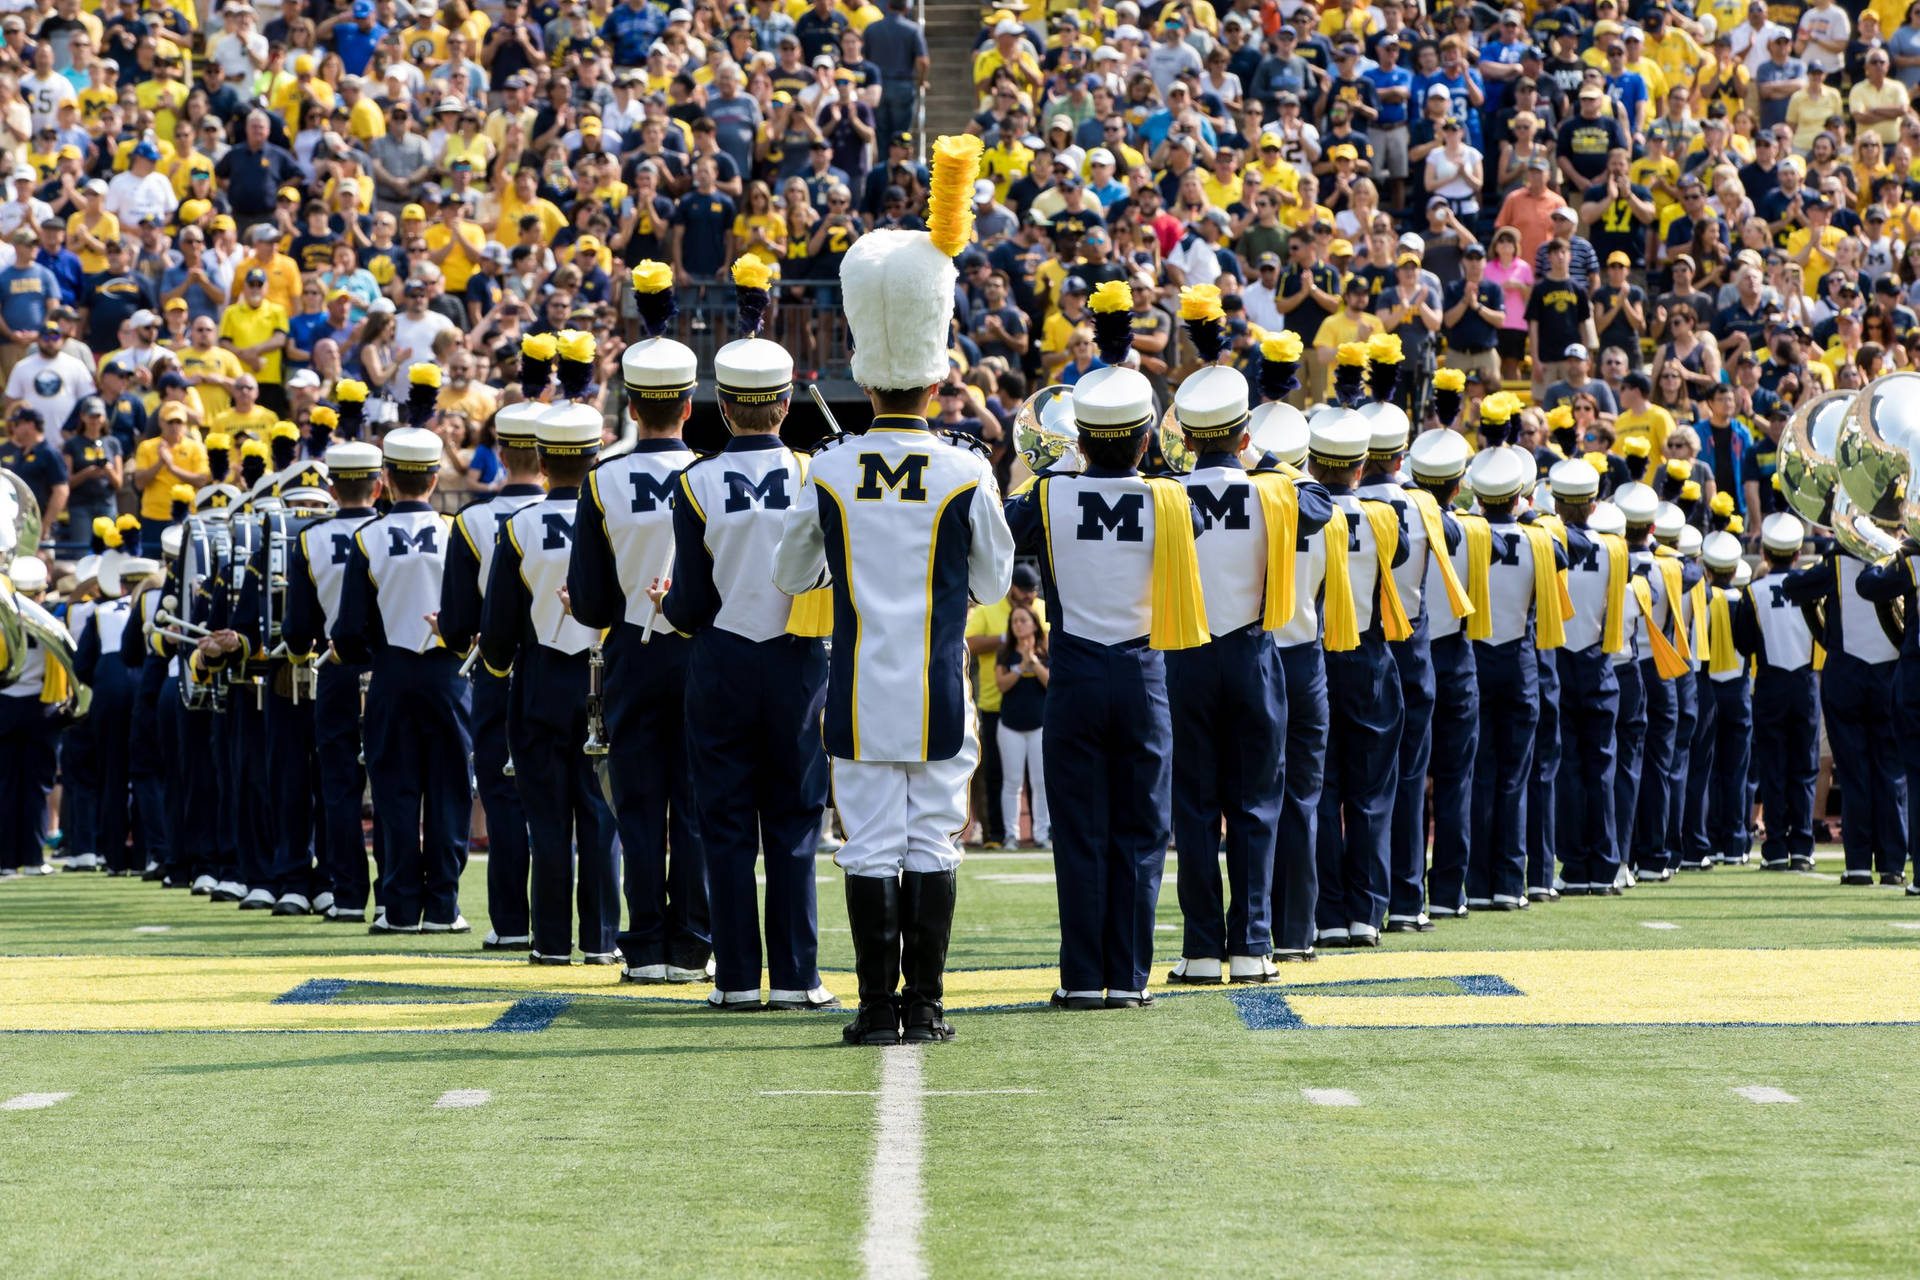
x=1669, y=566
x=1386, y=540
x=1667, y=663
x=53, y=686
x=1551, y=607
x=1280, y=508
x=1340, y=626
x=1721, y=655
x=1613, y=632
x=1697, y=600
x=1479, y=623
x=1429, y=509
x=812, y=612
x=1179, y=607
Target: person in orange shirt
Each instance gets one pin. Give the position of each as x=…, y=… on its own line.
x=1529, y=210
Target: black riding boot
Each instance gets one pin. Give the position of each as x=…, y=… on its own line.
x=873, y=914
x=926, y=913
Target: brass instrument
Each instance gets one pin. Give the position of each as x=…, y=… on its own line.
x=1809, y=472
x=1843, y=463
x=1045, y=435
x=19, y=536
x=1173, y=443
x=50, y=635
x=596, y=743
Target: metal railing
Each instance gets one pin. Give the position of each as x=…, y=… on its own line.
x=805, y=318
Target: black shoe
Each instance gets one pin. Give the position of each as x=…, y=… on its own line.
x=1778, y=864
x=926, y=924
x=1076, y=1004
x=153, y=873
x=873, y=916
x=1142, y=1001
x=1888, y=877
x=1800, y=862
x=1856, y=877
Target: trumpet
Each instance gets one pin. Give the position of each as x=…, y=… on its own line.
x=596, y=743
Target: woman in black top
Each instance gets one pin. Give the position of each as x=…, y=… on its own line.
x=1022, y=672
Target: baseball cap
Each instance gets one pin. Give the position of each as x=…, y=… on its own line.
x=1577, y=351
x=1618, y=259
x=142, y=318
x=256, y=276
x=303, y=378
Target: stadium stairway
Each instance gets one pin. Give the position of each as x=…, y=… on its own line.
x=951, y=26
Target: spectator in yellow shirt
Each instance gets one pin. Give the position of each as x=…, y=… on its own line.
x=161, y=462
x=244, y=418
x=455, y=244
x=255, y=330
x=986, y=629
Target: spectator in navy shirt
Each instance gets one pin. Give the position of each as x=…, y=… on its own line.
x=28, y=455
x=54, y=255
x=701, y=223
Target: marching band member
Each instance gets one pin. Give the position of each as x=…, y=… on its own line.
x=1726, y=711
x=97, y=665
x=1364, y=703
x=316, y=581
x=525, y=631
x=1228, y=696
x=1662, y=664
x=1884, y=583
x=250, y=803
x=1670, y=527
x=623, y=541
x=1524, y=614
x=907, y=526
x=463, y=591
x=1122, y=585
x=417, y=737
x=28, y=731
x=147, y=749
x=1438, y=463
x=756, y=685
x=1779, y=634
x=1597, y=572
x=78, y=809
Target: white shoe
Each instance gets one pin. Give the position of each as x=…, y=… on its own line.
x=829, y=843
x=459, y=925
x=494, y=942
x=1251, y=969
x=1363, y=935
x=734, y=1001
x=204, y=885
x=229, y=891
x=675, y=974
x=600, y=957
x=380, y=925
x=82, y=862
x=1330, y=935
x=347, y=915
x=258, y=900
x=1624, y=878
x=291, y=904
x=817, y=998
x=1195, y=971
x=322, y=903
x=38, y=869
x=647, y=975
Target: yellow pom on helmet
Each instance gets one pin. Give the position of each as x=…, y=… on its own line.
x=1384, y=348
x=350, y=391
x=1634, y=447
x=1560, y=417
x=576, y=345
x=1450, y=380
x=1201, y=302
x=424, y=374
x=1722, y=504
x=1690, y=491
x=283, y=430
x=539, y=346
x=648, y=277
x=1111, y=296
x=1352, y=353
x=324, y=416
x=750, y=272
x=180, y=493
x=127, y=523
x=1283, y=347
x=1679, y=468
x=219, y=442
x=254, y=449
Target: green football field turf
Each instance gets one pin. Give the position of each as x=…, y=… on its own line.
x=655, y=1138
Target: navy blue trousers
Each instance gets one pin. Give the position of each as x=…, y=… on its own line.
x=1906, y=682
x=566, y=816
x=663, y=861
x=27, y=760
x=295, y=772
x=1694, y=844
x=753, y=741
x=1659, y=751
x=1229, y=712
x=1629, y=747
x=1362, y=780
x=1456, y=741
x=1589, y=713
x=146, y=764
x=1502, y=768
x=1730, y=799
x=1686, y=740
x=111, y=719
x=1858, y=699
x=417, y=746
x=79, y=774
x=1407, y=861
x=1110, y=748
x=1543, y=845
x=1296, y=871
x=509, y=855
x=193, y=768
x=217, y=797
x=252, y=798
x=343, y=779
x=1786, y=741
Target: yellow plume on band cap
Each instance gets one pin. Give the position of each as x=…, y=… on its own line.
x=424, y=374
x=1384, y=348
x=1352, y=353
x=1735, y=525
x=254, y=449
x=576, y=345
x=1722, y=504
x=1283, y=347
x=956, y=163
x=648, y=277
x=1679, y=468
x=1690, y=491
x=219, y=442
x=1560, y=417
x=751, y=273
x=1111, y=296
x=1450, y=380
x=283, y=430
x=1634, y=447
x=127, y=522
x=1598, y=461
x=540, y=346
x=181, y=493
x=1499, y=406
x=324, y=416
x=1201, y=302
x=350, y=391
x=103, y=529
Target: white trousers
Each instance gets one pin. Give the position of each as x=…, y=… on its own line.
x=903, y=816
x=1020, y=754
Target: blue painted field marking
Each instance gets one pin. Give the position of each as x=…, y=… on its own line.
x=1266, y=1008
x=526, y=1013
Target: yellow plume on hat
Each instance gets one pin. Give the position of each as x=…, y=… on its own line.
x=1384, y=348
x=1352, y=353
x=1450, y=380
x=1560, y=417
x=181, y=493
x=1598, y=461
x=751, y=273
x=350, y=391
x=1283, y=347
x=254, y=449
x=283, y=430
x=576, y=345
x=1111, y=296
x=424, y=374
x=1634, y=447
x=1200, y=302
x=1690, y=491
x=103, y=529
x=956, y=163
x=1500, y=406
x=1735, y=525
x=219, y=442
x=1722, y=504
x=127, y=523
x=648, y=277
x=1679, y=468
x=540, y=346
x=324, y=416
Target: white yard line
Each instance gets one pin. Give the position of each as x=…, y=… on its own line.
x=895, y=1205
x=1764, y=1093
x=874, y=1093
x=1657, y=924
x=1906, y=924
x=152, y=928
x=1331, y=1097
x=454, y=1098
x=33, y=1101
